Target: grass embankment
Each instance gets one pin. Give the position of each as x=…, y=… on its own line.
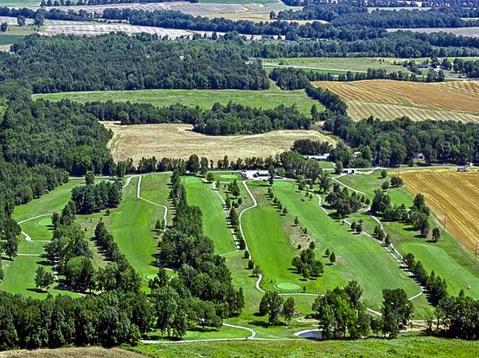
x=270, y=98
x=447, y=258
x=404, y=346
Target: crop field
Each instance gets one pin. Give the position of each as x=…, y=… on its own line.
x=447, y=258
x=453, y=196
x=203, y=98
x=391, y=99
x=19, y=3
x=179, y=141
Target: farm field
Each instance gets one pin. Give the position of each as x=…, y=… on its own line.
x=19, y=3
x=453, y=195
x=203, y=98
x=339, y=64
x=447, y=258
x=388, y=99
x=179, y=141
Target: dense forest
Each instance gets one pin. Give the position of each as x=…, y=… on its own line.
x=392, y=143
x=64, y=63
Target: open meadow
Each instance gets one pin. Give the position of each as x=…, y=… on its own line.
x=447, y=258
x=203, y=98
x=179, y=141
x=389, y=99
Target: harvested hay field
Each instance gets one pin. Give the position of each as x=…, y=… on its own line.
x=453, y=197
x=179, y=141
x=388, y=99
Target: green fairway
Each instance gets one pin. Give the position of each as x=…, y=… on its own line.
x=215, y=227
x=447, y=258
x=269, y=244
x=20, y=273
x=131, y=225
x=357, y=257
x=204, y=98
x=404, y=346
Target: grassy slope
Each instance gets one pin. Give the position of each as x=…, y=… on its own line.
x=357, y=257
x=20, y=273
x=401, y=347
x=447, y=258
x=203, y=98
x=214, y=222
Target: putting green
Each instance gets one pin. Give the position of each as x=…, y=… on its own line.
x=288, y=286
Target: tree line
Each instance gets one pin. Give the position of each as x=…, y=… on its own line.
x=291, y=78
x=93, y=198
x=468, y=68
x=219, y=120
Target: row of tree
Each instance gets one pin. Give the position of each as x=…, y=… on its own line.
x=294, y=78
x=219, y=120
x=47, y=3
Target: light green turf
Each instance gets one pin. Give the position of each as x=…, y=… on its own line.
x=269, y=245
x=203, y=98
x=214, y=221
x=19, y=274
x=357, y=257
x=447, y=258
x=237, y=1
x=131, y=225
x=404, y=346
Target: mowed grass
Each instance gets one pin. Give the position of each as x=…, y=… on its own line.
x=19, y=3
x=404, y=346
x=270, y=98
x=19, y=274
x=131, y=225
x=387, y=99
x=202, y=195
x=447, y=258
x=269, y=244
x=357, y=257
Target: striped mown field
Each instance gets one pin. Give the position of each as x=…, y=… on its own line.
x=455, y=100
x=453, y=196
